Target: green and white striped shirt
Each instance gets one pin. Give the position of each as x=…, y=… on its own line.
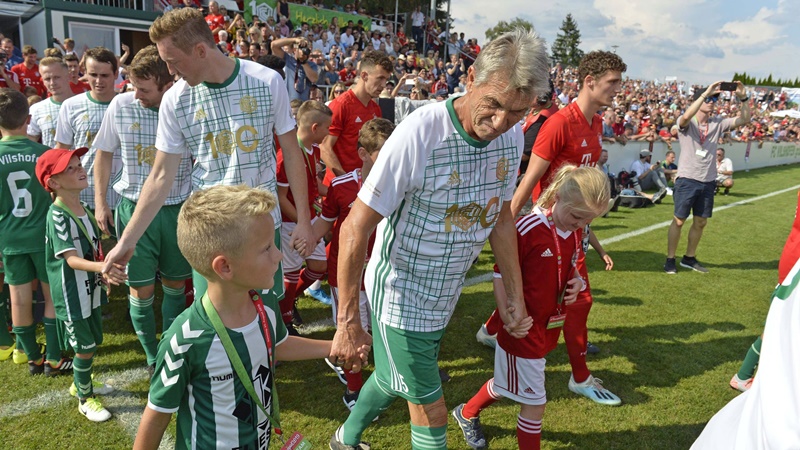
x=129, y=132
x=44, y=117
x=228, y=127
x=441, y=192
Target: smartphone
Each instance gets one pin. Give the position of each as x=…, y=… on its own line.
x=728, y=86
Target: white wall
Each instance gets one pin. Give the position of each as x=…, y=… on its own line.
x=33, y=33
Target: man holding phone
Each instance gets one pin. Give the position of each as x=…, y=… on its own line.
x=698, y=133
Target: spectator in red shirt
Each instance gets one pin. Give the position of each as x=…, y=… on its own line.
x=28, y=71
x=215, y=20
x=348, y=74
x=7, y=78
x=75, y=83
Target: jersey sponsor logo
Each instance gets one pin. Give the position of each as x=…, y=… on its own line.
x=584, y=144
x=17, y=158
x=586, y=160
x=145, y=154
x=547, y=253
x=502, y=169
x=465, y=217
x=248, y=104
x=245, y=138
x=528, y=391
x=225, y=377
x=455, y=179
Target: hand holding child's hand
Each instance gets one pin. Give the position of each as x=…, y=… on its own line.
x=300, y=245
x=116, y=275
x=573, y=288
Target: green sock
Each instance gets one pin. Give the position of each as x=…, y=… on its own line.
x=144, y=323
x=371, y=401
x=26, y=336
x=51, y=338
x=82, y=375
x=173, y=303
x=427, y=438
x=750, y=361
x=6, y=340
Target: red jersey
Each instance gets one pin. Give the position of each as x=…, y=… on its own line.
x=9, y=74
x=30, y=77
x=791, y=251
x=347, y=77
x=310, y=161
x=349, y=115
x=80, y=87
x=215, y=21
x=342, y=194
x=566, y=137
x=542, y=282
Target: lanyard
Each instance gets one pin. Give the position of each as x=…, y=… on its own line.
x=305, y=155
x=236, y=361
x=561, y=288
x=703, y=135
x=98, y=250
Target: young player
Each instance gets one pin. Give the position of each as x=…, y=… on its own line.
x=227, y=235
x=80, y=117
x=44, y=114
x=341, y=195
x=313, y=121
x=549, y=245
x=129, y=133
x=23, y=208
x=74, y=262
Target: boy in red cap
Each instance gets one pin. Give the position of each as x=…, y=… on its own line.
x=74, y=263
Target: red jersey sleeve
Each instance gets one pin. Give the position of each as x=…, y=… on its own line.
x=337, y=121
x=330, y=205
x=552, y=137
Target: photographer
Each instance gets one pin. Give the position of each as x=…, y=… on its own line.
x=649, y=175
x=301, y=72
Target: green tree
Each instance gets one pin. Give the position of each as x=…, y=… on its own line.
x=503, y=27
x=565, y=47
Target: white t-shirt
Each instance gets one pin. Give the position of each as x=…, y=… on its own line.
x=441, y=192
x=44, y=119
x=726, y=165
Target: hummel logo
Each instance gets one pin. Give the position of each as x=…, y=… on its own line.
x=584, y=143
x=358, y=119
x=547, y=253
x=528, y=391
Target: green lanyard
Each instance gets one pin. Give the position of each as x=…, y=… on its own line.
x=97, y=251
x=236, y=361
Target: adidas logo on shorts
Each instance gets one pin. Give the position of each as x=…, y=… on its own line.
x=528, y=391
x=547, y=253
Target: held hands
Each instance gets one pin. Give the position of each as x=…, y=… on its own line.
x=351, y=346
x=116, y=274
x=516, y=324
x=573, y=288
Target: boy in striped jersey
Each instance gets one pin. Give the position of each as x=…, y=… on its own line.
x=44, y=114
x=74, y=262
x=227, y=235
x=129, y=133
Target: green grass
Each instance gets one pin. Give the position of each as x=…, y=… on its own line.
x=669, y=346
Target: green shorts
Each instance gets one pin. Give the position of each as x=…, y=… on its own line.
x=84, y=335
x=406, y=362
x=277, y=292
x=157, y=249
x=24, y=268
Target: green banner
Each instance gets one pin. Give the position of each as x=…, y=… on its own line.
x=300, y=13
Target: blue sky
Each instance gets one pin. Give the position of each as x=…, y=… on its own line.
x=698, y=41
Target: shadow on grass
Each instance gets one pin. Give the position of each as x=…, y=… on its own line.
x=618, y=301
x=666, y=437
x=647, y=261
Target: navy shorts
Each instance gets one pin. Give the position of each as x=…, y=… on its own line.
x=695, y=196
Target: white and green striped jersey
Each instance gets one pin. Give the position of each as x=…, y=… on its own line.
x=194, y=377
x=228, y=127
x=79, y=121
x=44, y=117
x=75, y=292
x=129, y=132
x=440, y=192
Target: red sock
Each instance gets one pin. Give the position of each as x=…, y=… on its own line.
x=576, y=336
x=355, y=381
x=494, y=323
x=529, y=433
x=290, y=285
x=480, y=401
x=307, y=278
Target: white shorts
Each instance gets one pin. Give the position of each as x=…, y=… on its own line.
x=291, y=259
x=363, y=307
x=519, y=379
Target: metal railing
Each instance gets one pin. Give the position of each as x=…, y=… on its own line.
x=138, y=5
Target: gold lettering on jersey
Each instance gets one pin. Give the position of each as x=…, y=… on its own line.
x=464, y=217
x=454, y=179
x=136, y=126
x=248, y=104
x=502, y=169
x=90, y=135
x=200, y=115
x=225, y=140
x=145, y=154
x=85, y=117
x=52, y=131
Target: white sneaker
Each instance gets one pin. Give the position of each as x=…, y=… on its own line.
x=669, y=191
x=593, y=389
x=485, y=338
x=93, y=410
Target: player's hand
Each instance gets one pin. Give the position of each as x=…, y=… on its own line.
x=516, y=323
x=303, y=232
x=105, y=219
x=119, y=255
x=116, y=274
x=300, y=246
x=573, y=288
x=350, y=348
x=609, y=262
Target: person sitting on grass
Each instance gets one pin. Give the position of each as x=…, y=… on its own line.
x=724, y=172
x=548, y=236
x=215, y=364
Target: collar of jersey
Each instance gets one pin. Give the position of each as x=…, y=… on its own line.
x=94, y=100
x=14, y=138
x=227, y=82
x=460, y=129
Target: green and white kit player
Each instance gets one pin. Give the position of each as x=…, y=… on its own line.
x=23, y=208
x=129, y=131
x=226, y=114
x=80, y=116
x=44, y=114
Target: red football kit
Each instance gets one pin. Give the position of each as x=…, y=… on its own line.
x=310, y=161
x=30, y=77
x=215, y=21
x=349, y=115
x=80, y=87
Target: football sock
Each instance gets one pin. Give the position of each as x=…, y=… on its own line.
x=750, y=362
x=53, y=349
x=428, y=438
x=355, y=380
x=576, y=337
x=173, y=303
x=26, y=337
x=307, y=278
x=290, y=280
x=82, y=375
x=371, y=402
x=144, y=324
x=6, y=340
x=529, y=433
x=480, y=401
x=317, y=285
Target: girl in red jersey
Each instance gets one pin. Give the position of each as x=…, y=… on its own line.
x=548, y=240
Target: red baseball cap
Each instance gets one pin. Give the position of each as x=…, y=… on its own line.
x=54, y=161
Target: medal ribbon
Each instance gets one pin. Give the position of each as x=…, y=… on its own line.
x=561, y=288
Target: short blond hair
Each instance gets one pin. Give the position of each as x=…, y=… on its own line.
x=584, y=189
x=374, y=133
x=186, y=27
x=52, y=61
x=218, y=220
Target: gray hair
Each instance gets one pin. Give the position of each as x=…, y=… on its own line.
x=519, y=56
